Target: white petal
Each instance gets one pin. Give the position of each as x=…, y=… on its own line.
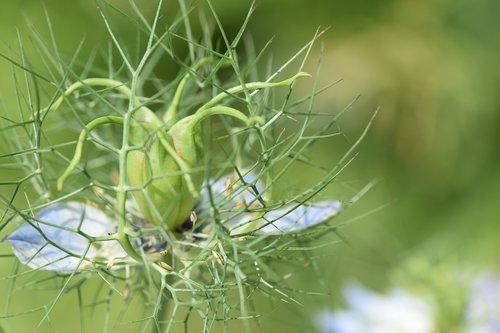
x=32, y=247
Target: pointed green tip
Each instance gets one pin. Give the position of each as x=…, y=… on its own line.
x=302, y=74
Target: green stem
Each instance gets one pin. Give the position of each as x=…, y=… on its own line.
x=125, y=242
x=121, y=193
x=163, y=305
x=171, y=113
x=145, y=115
x=122, y=235
x=250, y=86
x=81, y=140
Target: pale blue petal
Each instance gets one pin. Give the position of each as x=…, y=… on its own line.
x=370, y=312
x=237, y=190
x=32, y=248
x=234, y=202
x=340, y=322
x=361, y=299
x=296, y=218
x=231, y=201
x=483, y=308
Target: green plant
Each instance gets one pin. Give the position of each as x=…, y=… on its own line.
x=156, y=204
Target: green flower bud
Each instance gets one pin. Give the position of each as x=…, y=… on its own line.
x=165, y=173
x=163, y=166
x=167, y=170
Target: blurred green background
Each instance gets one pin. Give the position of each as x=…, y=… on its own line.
x=433, y=68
